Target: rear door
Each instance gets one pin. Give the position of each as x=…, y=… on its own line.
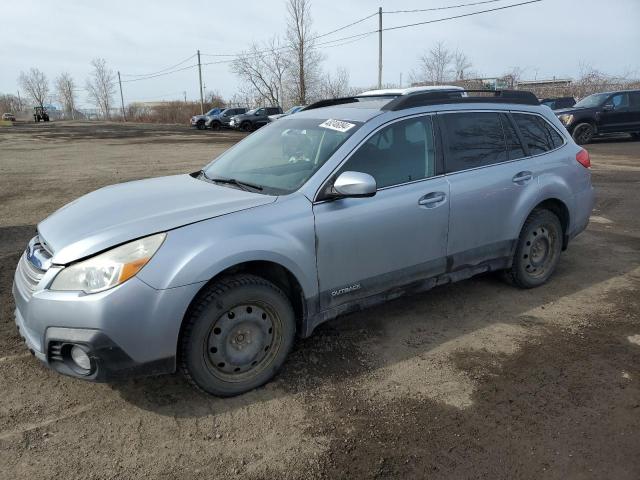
x=488, y=174
x=634, y=106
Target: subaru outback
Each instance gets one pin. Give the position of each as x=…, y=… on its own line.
x=346, y=204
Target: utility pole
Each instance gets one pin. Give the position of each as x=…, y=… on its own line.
x=400, y=84
x=124, y=115
x=19, y=101
x=380, y=47
x=185, y=96
x=200, y=78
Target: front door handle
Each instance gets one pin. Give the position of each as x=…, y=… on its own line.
x=522, y=177
x=433, y=199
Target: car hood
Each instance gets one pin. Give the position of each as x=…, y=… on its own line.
x=120, y=213
x=574, y=110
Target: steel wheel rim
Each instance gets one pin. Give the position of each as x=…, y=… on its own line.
x=242, y=341
x=539, y=250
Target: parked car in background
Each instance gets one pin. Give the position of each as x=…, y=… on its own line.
x=222, y=119
x=9, y=117
x=253, y=119
x=558, y=103
x=291, y=111
x=324, y=212
x=608, y=112
x=199, y=121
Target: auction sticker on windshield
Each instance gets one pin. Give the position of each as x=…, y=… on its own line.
x=337, y=125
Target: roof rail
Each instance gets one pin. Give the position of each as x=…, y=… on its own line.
x=329, y=102
x=436, y=97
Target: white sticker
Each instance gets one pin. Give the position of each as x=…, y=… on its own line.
x=337, y=125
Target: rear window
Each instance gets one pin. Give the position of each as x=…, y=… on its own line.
x=474, y=139
x=538, y=135
x=514, y=147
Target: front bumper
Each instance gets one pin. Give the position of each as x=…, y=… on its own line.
x=129, y=330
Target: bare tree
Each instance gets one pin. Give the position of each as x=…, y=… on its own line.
x=35, y=83
x=336, y=86
x=65, y=90
x=262, y=68
x=435, y=66
x=101, y=86
x=513, y=76
x=305, y=58
x=461, y=64
x=10, y=103
x=214, y=98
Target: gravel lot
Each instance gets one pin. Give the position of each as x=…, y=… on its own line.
x=472, y=380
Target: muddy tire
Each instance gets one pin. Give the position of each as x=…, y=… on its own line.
x=237, y=335
x=583, y=133
x=538, y=250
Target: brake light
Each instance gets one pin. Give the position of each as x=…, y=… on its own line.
x=583, y=158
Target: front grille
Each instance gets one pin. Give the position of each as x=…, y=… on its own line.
x=29, y=275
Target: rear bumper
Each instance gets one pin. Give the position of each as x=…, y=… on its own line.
x=583, y=206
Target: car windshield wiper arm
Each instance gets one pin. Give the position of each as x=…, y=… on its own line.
x=233, y=181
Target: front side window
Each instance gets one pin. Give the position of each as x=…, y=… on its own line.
x=474, y=139
x=399, y=153
x=281, y=157
x=620, y=100
x=539, y=136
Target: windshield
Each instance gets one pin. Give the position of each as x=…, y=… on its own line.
x=594, y=100
x=282, y=156
x=213, y=111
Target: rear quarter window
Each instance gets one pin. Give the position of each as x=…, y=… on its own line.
x=538, y=135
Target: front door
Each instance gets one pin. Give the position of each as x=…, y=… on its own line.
x=366, y=246
x=617, y=115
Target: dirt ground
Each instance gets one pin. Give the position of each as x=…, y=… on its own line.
x=472, y=380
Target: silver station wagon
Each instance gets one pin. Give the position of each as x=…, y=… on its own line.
x=343, y=205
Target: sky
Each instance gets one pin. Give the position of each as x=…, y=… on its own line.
x=545, y=39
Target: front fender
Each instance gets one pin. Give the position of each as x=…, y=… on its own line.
x=198, y=252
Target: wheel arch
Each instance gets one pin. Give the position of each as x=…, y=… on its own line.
x=560, y=210
x=269, y=270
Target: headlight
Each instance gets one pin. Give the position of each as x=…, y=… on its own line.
x=110, y=268
x=565, y=119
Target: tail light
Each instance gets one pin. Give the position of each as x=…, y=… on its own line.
x=583, y=158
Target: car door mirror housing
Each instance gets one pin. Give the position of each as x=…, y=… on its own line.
x=354, y=184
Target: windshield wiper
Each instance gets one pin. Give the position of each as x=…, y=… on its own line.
x=233, y=181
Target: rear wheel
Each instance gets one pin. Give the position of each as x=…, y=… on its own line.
x=538, y=250
x=237, y=335
x=583, y=133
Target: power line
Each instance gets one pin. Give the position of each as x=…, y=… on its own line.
x=159, y=74
x=459, y=16
x=442, y=8
x=159, y=71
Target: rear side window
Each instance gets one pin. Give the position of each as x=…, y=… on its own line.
x=538, y=135
x=474, y=139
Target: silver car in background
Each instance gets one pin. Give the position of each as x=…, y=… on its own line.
x=341, y=206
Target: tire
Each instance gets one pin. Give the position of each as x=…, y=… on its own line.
x=583, y=133
x=237, y=335
x=246, y=126
x=200, y=125
x=538, y=250
x=635, y=135
x=216, y=126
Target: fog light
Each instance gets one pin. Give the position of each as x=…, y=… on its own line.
x=80, y=358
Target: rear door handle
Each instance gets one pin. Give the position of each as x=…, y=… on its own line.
x=522, y=177
x=433, y=199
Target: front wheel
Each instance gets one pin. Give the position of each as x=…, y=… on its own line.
x=246, y=126
x=635, y=135
x=583, y=133
x=200, y=125
x=237, y=335
x=215, y=126
x=538, y=250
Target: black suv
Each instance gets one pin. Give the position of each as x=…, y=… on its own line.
x=254, y=119
x=609, y=112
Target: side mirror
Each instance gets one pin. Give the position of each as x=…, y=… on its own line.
x=607, y=107
x=355, y=184
x=258, y=114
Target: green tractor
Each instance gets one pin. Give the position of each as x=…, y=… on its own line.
x=40, y=114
